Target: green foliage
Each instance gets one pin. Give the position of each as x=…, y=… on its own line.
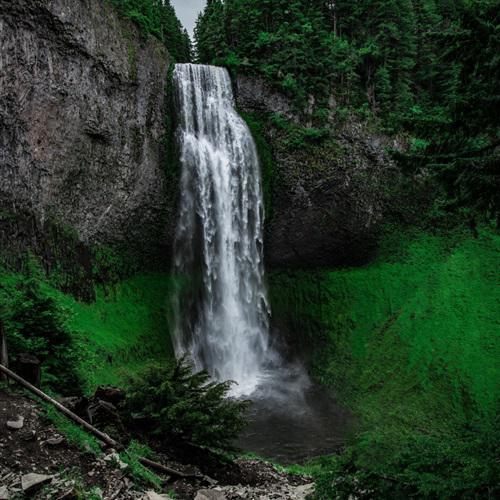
x=428, y=68
x=83, y=344
x=297, y=136
x=461, y=464
x=75, y=435
x=158, y=18
x=141, y=474
x=37, y=324
x=180, y=404
x=458, y=116
x=79, y=490
x=287, y=41
x=409, y=343
x=126, y=325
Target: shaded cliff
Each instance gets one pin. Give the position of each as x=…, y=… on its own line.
x=331, y=187
x=82, y=130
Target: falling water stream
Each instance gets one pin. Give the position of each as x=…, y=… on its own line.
x=222, y=311
x=220, y=232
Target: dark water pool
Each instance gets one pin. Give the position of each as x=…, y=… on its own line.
x=293, y=420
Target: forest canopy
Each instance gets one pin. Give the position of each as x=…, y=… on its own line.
x=425, y=68
x=158, y=18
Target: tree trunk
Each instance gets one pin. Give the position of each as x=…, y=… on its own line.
x=4, y=355
x=28, y=367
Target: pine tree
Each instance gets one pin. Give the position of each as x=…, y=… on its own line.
x=158, y=18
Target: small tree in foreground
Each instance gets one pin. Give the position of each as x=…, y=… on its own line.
x=178, y=403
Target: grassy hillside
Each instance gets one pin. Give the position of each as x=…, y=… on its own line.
x=410, y=343
x=105, y=341
x=125, y=328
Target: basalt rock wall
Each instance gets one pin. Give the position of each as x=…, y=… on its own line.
x=82, y=129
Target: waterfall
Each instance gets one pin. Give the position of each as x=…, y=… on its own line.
x=222, y=318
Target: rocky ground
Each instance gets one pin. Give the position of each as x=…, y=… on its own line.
x=37, y=461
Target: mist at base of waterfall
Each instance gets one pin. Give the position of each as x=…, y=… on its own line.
x=292, y=419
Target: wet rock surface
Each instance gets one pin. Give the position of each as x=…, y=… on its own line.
x=32, y=481
x=253, y=93
x=16, y=424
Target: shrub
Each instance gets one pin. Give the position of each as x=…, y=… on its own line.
x=35, y=323
x=461, y=464
x=180, y=404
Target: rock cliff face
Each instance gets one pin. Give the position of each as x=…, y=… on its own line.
x=329, y=198
x=82, y=126
x=82, y=148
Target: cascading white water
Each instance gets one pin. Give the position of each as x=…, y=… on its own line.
x=222, y=313
x=223, y=323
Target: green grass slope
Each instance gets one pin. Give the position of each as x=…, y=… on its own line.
x=124, y=329
x=411, y=343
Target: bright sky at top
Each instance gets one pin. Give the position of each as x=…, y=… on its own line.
x=187, y=12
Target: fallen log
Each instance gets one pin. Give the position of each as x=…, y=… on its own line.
x=96, y=432
x=163, y=468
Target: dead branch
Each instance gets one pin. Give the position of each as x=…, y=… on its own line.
x=96, y=432
x=163, y=468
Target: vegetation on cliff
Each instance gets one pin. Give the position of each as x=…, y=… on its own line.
x=83, y=345
x=158, y=18
x=410, y=343
x=35, y=323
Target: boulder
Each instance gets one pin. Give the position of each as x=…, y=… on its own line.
x=76, y=404
x=152, y=495
x=32, y=482
x=110, y=394
x=55, y=441
x=114, y=458
x=17, y=424
x=210, y=495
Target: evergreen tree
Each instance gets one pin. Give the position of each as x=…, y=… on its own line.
x=158, y=18
x=426, y=67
